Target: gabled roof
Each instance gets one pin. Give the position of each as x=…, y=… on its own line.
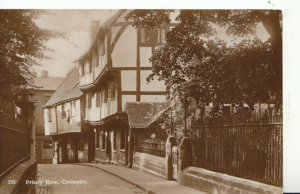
x=143, y=114
x=47, y=83
x=69, y=89
x=106, y=25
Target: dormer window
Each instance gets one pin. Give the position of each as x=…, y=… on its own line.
x=152, y=37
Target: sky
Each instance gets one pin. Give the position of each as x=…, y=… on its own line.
x=75, y=27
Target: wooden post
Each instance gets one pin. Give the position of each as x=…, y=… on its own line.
x=126, y=146
x=130, y=148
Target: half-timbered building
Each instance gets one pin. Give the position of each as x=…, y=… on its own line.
x=112, y=73
x=63, y=121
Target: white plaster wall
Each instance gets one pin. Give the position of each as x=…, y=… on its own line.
x=153, y=98
x=145, y=54
x=127, y=98
x=124, y=53
x=128, y=80
x=154, y=85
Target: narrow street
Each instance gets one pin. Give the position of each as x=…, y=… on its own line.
x=73, y=179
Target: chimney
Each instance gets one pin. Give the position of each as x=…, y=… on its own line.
x=95, y=26
x=44, y=73
x=34, y=73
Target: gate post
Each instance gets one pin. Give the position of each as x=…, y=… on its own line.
x=185, y=158
x=171, y=141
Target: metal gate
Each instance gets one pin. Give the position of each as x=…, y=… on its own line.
x=174, y=161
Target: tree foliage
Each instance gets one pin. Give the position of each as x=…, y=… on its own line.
x=199, y=66
x=21, y=45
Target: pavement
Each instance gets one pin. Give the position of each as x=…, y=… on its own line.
x=75, y=179
x=149, y=183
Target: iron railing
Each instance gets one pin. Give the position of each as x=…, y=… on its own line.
x=152, y=147
x=15, y=143
x=248, y=147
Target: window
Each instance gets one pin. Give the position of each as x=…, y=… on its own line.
x=89, y=100
x=47, y=99
x=112, y=90
x=114, y=140
x=81, y=69
x=122, y=140
x=49, y=115
x=63, y=112
x=88, y=66
x=161, y=35
x=101, y=47
x=98, y=99
x=95, y=58
x=73, y=108
x=151, y=37
x=47, y=144
x=97, y=139
x=105, y=95
x=102, y=140
x=146, y=37
x=226, y=111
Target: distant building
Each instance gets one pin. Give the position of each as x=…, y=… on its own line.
x=45, y=87
x=64, y=122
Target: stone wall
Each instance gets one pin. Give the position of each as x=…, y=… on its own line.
x=149, y=163
x=217, y=183
x=15, y=181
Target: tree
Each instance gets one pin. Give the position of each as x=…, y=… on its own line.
x=21, y=45
x=198, y=66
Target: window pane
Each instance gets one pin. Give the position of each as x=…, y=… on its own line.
x=101, y=47
x=112, y=89
x=146, y=37
x=98, y=100
x=49, y=115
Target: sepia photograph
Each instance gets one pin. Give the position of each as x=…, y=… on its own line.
x=138, y=101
